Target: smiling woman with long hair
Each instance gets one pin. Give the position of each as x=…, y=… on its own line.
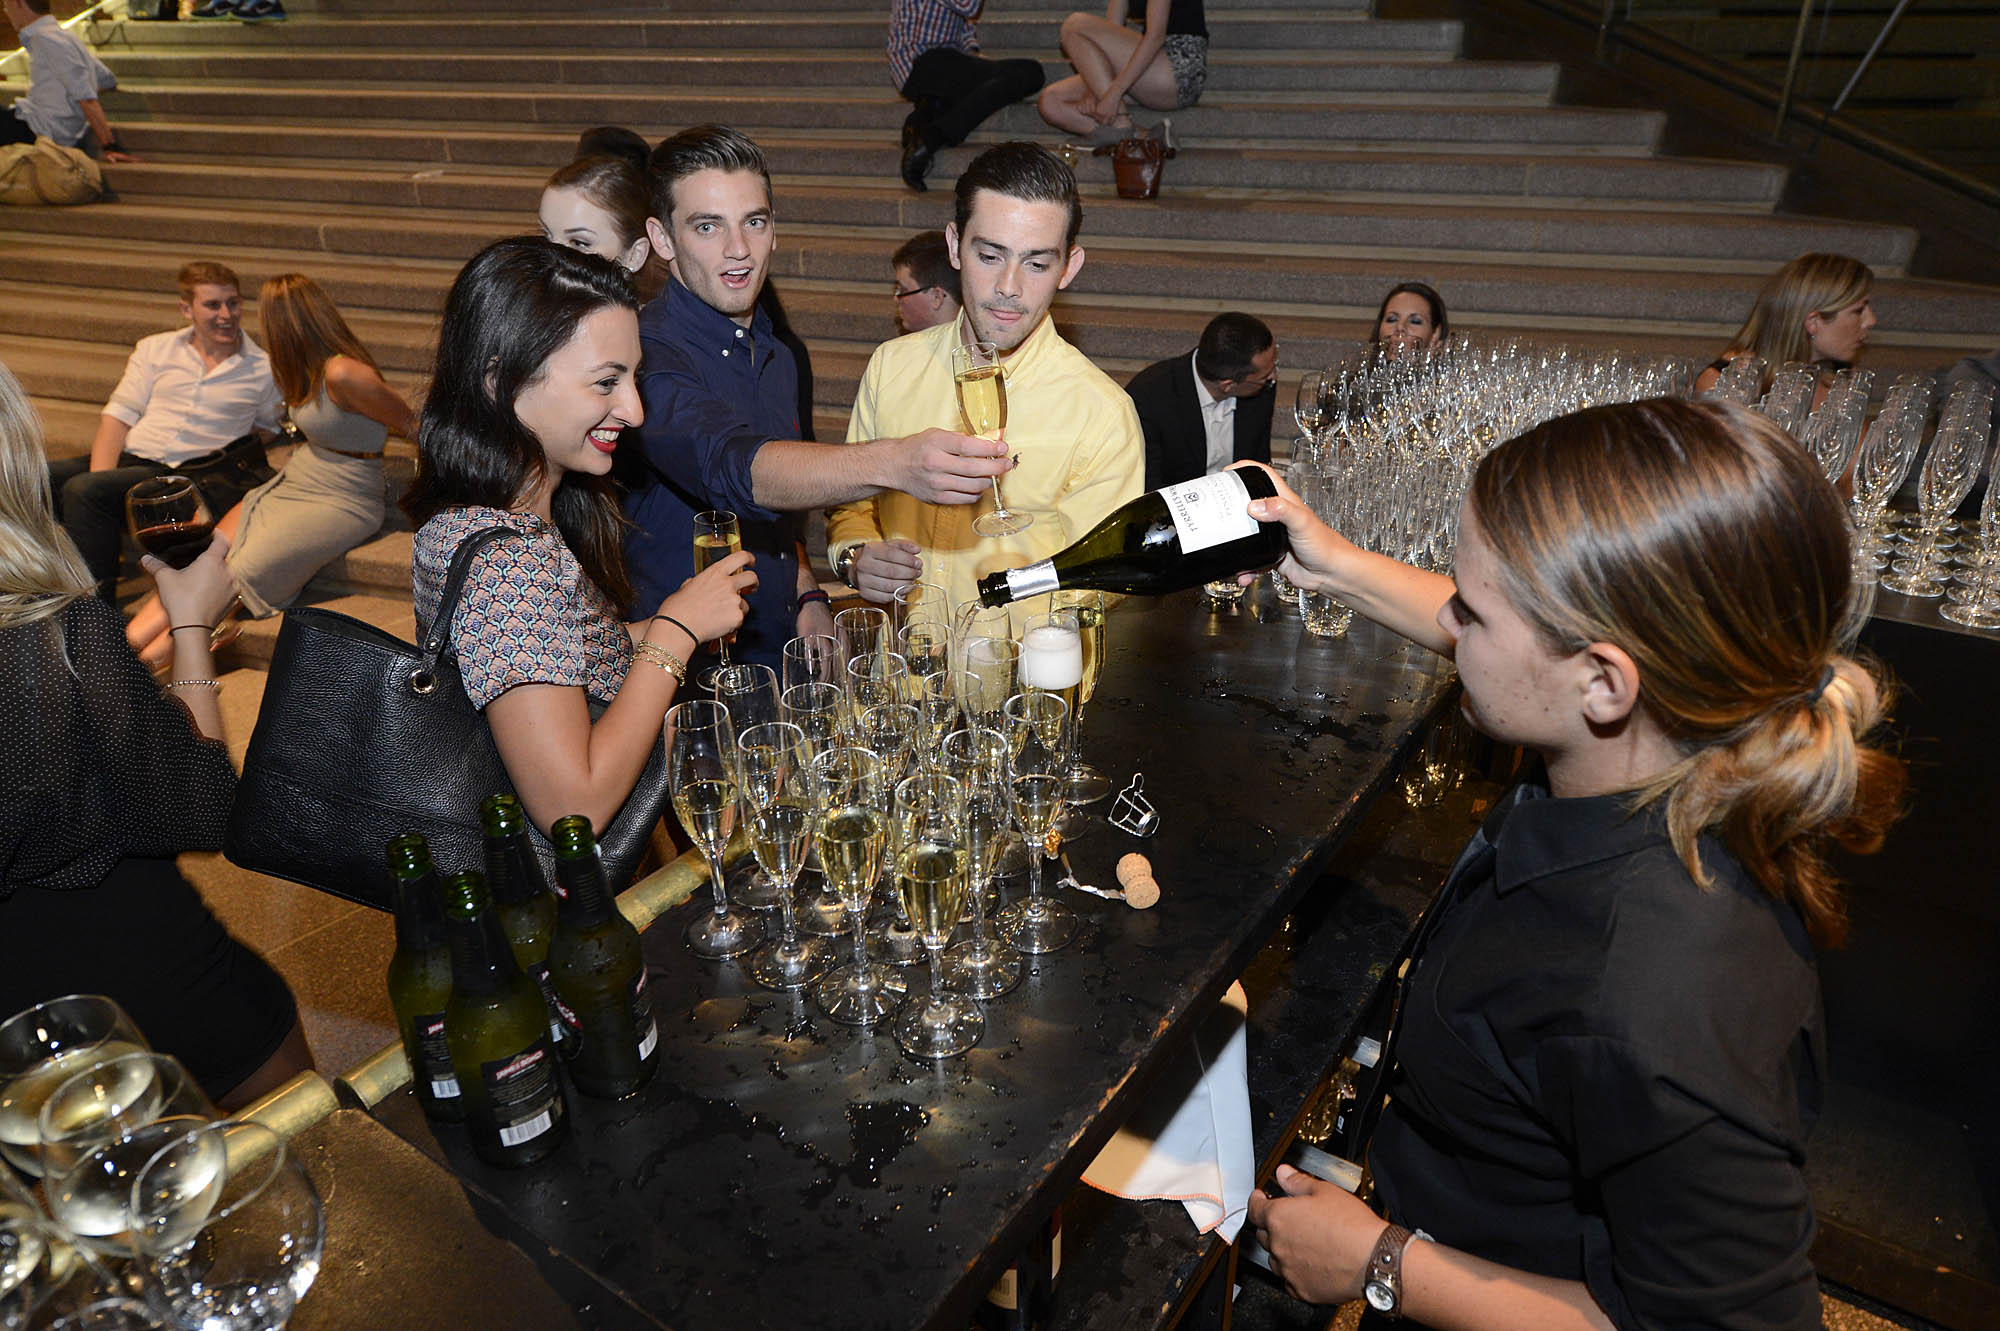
x=1610, y=1049
x=536, y=372
x=107, y=781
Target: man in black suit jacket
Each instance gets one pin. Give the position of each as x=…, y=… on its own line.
x=1203, y=411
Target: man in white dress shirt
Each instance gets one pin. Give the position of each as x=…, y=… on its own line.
x=64, y=81
x=185, y=396
x=1208, y=408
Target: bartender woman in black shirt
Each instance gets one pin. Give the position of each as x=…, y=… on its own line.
x=1610, y=1048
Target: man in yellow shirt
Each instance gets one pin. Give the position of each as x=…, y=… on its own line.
x=1073, y=428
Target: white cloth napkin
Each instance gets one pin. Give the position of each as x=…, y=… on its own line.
x=1190, y=1141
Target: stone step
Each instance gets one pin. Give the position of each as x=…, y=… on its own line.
x=1446, y=232
x=1678, y=183
x=67, y=426
x=1510, y=82
x=1274, y=116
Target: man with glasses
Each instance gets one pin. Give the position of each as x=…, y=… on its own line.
x=926, y=290
x=1211, y=407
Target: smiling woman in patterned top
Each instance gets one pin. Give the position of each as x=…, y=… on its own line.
x=535, y=379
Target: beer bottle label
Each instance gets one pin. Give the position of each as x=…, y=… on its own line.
x=570, y=1025
x=522, y=1094
x=642, y=1017
x=540, y=974
x=435, y=1056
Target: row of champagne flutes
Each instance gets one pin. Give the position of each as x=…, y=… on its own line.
x=1388, y=443
x=867, y=775
x=155, y=1212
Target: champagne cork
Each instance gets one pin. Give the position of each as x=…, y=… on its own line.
x=1135, y=875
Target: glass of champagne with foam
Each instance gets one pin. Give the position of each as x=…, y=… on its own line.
x=982, y=397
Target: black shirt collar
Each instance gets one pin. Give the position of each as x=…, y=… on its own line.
x=1536, y=835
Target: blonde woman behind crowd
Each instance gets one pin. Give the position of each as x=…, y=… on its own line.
x=108, y=777
x=1814, y=309
x=1649, y=598
x=329, y=496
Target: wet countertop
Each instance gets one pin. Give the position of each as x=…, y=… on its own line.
x=780, y=1167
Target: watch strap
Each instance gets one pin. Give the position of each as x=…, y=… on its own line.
x=1385, y=1270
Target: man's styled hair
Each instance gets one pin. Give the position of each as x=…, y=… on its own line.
x=204, y=273
x=929, y=261
x=1228, y=344
x=1025, y=171
x=702, y=148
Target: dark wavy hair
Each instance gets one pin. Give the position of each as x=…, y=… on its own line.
x=517, y=303
x=1439, y=319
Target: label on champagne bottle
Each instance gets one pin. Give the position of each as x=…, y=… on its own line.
x=435, y=1057
x=522, y=1094
x=1209, y=511
x=642, y=1016
x=1032, y=580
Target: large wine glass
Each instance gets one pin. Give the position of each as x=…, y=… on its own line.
x=90, y=1197
x=1034, y=728
x=717, y=536
x=701, y=772
x=855, y=797
x=928, y=825
x=981, y=966
x=229, y=1229
x=43, y=1274
x=982, y=397
x=107, y=1101
x=776, y=785
x=41, y=1048
x=169, y=519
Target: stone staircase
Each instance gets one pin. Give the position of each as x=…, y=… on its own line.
x=377, y=143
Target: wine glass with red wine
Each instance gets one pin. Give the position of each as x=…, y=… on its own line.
x=169, y=518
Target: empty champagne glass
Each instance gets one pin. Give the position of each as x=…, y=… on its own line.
x=1834, y=429
x=864, y=630
x=853, y=828
x=922, y=616
x=994, y=665
x=229, y=1229
x=776, y=785
x=982, y=399
x=701, y=772
x=928, y=824
x=1947, y=476
x=812, y=659
x=41, y=1048
x=1033, y=730
x=981, y=966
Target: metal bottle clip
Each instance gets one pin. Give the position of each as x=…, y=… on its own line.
x=1132, y=811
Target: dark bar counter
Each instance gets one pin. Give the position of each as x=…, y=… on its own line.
x=780, y=1168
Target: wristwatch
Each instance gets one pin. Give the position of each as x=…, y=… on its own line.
x=1383, y=1285
x=843, y=567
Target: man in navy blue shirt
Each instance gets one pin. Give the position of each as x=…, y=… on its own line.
x=722, y=428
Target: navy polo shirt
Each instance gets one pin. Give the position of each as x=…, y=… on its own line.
x=714, y=394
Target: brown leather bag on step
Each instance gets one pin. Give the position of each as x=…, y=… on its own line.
x=1136, y=164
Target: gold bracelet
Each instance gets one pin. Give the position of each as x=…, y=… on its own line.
x=194, y=684
x=654, y=654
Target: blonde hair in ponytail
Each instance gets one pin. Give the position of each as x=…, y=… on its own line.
x=1700, y=539
x=40, y=570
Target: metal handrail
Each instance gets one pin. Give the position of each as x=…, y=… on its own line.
x=94, y=12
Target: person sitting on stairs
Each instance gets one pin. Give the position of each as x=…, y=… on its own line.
x=64, y=80
x=934, y=57
x=1163, y=66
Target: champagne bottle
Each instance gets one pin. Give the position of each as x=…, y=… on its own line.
x=521, y=896
x=497, y=1027
x=420, y=978
x=598, y=974
x=1173, y=538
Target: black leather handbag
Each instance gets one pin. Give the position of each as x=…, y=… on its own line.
x=229, y=473
x=362, y=737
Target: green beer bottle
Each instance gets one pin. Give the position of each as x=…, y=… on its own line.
x=598, y=974
x=420, y=978
x=521, y=896
x=497, y=1028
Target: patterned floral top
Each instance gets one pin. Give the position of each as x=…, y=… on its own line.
x=529, y=614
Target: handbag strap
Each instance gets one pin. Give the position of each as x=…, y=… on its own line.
x=438, y=636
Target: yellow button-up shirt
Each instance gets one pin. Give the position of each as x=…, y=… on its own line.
x=1074, y=429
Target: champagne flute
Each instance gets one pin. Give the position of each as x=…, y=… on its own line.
x=1087, y=784
x=750, y=692
x=777, y=786
x=812, y=659
x=875, y=680
x=717, y=535
x=41, y=1048
x=169, y=519
x=854, y=794
x=701, y=771
x=982, y=397
x=929, y=827
x=980, y=966
x=939, y=709
x=864, y=630
x=818, y=710
x=1034, y=725
x=923, y=627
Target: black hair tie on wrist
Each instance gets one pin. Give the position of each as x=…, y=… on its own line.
x=682, y=627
